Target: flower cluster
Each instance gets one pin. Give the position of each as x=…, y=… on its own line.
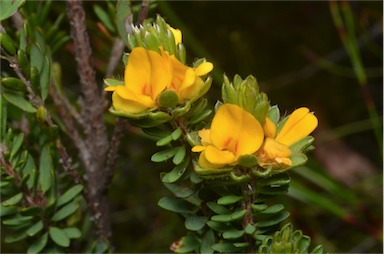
x=235, y=132
x=148, y=74
x=155, y=78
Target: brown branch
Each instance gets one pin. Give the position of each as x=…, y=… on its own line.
x=92, y=111
x=143, y=12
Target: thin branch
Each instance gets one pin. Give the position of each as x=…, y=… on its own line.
x=143, y=12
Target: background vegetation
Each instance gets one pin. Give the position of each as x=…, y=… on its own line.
x=298, y=56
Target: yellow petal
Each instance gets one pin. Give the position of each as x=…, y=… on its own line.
x=204, y=136
x=274, y=154
x=236, y=130
x=127, y=106
x=269, y=128
x=161, y=72
x=274, y=149
x=218, y=157
x=137, y=76
x=198, y=148
x=126, y=94
x=176, y=34
x=204, y=68
x=299, y=125
x=110, y=88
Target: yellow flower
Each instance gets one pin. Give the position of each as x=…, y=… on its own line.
x=149, y=73
x=275, y=150
x=146, y=75
x=234, y=132
x=186, y=80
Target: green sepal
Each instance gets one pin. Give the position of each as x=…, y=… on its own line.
x=146, y=119
x=248, y=160
x=211, y=172
x=113, y=82
x=168, y=99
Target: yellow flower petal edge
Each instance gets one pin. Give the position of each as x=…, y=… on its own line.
x=176, y=34
x=204, y=68
x=269, y=128
x=299, y=125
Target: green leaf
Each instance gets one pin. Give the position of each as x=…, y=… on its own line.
x=19, y=102
x=233, y=234
x=4, y=211
x=13, y=200
x=8, y=8
x=69, y=195
x=123, y=17
x=17, y=221
x=65, y=211
x=195, y=223
x=274, y=114
x=180, y=155
x=187, y=244
x=59, y=236
x=225, y=248
x=72, y=232
x=218, y=209
x=113, y=82
x=273, y=209
x=164, y=141
x=274, y=220
x=207, y=241
x=104, y=18
x=176, y=134
x=45, y=169
x=44, y=78
x=38, y=245
x=176, y=172
x=17, y=142
x=219, y=226
x=15, y=236
x=201, y=116
x=30, y=211
x=164, y=155
x=181, y=190
x=176, y=205
x=259, y=207
x=249, y=229
x=228, y=200
x=36, y=228
x=229, y=217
